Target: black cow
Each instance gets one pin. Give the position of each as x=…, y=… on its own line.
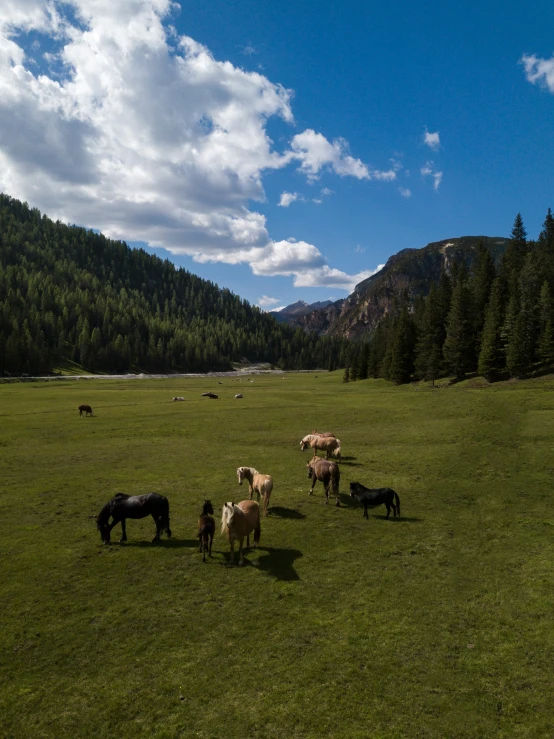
x=373, y=497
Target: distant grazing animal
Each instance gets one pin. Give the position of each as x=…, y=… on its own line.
x=373, y=497
x=326, y=435
x=257, y=483
x=123, y=506
x=238, y=395
x=238, y=521
x=178, y=398
x=209, y=395
x=329, y=445
x=219, y=383
x=206, y=529
x=87, y=410
x=326, y=472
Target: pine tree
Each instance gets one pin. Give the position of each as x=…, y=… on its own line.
x=428, y=357
x=545, y=341
x=490, y=357
x=457, y=349
x=483, y=276
x=402, y=346
x=514, y=256
x=516, y=356
x=346, y=375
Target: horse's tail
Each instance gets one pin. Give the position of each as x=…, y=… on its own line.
x=397, y=499
x=204, y=531
x=165, y=517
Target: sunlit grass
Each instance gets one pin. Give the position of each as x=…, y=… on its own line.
x=437, y=625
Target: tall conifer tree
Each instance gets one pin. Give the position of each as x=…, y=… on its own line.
x=457, y=347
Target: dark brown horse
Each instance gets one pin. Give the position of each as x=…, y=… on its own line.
x=206, y=529
x=326, y=472
x=87, y=410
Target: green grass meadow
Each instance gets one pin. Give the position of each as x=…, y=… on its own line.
x=439, y=625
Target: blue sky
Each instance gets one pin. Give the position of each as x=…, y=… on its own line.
x=111, y=120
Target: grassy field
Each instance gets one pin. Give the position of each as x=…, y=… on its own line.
x=437, y=625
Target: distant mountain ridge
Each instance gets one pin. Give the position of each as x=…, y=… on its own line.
x=300, y=308
x=412, y=270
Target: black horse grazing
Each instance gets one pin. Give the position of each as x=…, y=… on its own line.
x=373, y=497
x=206, y=529
x=123, y=506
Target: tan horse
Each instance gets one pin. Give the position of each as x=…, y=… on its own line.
x=325, y=435
x=238, y=521
x=330, y=445
x=257, y=483
x=326, y=472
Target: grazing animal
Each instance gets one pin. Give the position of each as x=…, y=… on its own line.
x=238, y=395
x=177, y=398
x=87, y=410
x=206, y=529
x=238, y=521
x=209, y=395
x=329, y=445
x=373, y=497
x=326, y=472
x=257, y=483
x=123, y=506
x=326, y=435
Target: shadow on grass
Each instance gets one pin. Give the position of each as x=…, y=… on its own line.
x=286, y=513
x=347, y=502
x=402, y=519
x=163, y=543
x=279, y=563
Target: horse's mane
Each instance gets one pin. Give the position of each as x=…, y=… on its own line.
x=121, y=496
x=104, y=515
x=224, y=524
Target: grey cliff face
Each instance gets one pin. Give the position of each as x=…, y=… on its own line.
x=412, y=270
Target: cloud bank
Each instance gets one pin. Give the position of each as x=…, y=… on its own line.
x=127, y=127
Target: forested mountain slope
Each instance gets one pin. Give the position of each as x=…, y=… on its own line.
x=67, y=293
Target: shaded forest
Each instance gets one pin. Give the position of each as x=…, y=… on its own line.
x=496, y=320
x=68, y=294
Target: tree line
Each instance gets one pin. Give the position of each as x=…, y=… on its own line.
x=68, y=294
x=496, y=320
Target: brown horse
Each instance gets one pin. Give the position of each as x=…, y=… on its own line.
x=238, y=521
x=326, y=435
x=86, y=408
x=329, y=445
x=326, y=472
x=206, y=529
x=257, y=483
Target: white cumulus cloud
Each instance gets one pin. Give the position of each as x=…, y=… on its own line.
x=127, y=127
x=539, y=71
x=405, y=192
x=266, y=302
x=432, y=140
x=429, y=171
x=287, y=198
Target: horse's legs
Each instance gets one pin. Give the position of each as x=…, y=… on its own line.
x=158, y=528
x=388, y=509
x=241, y=558
x=314, y=480
x=123, y=531
x=211, y=540
x=232, y=553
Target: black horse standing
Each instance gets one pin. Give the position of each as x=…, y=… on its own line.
x=123, y=506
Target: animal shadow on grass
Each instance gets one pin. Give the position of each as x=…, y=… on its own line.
x=286, y=513
x=163, y=543
x=279, y=563
x=398, y=519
